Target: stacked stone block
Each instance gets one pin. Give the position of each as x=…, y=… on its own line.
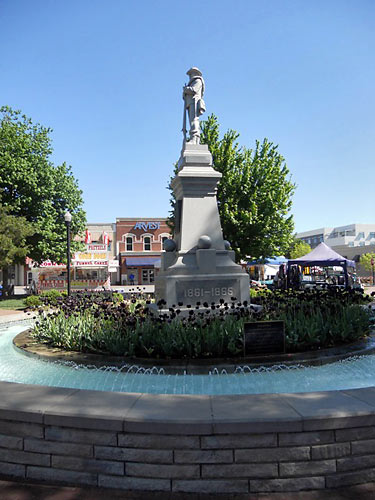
x=200, y=462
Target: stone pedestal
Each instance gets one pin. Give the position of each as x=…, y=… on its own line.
x=200, y=268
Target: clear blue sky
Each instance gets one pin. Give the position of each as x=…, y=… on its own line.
x=107, y=77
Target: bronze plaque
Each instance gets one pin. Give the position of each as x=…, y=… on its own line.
x=264, y=337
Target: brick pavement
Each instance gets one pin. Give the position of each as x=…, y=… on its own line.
x=30, y=491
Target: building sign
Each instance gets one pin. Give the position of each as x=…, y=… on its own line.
x=90, y=263
x=76, y=284
x=147, y=226
x=113, y=265
x=48, y=263
x=96, y=255
x=90, y=256
x=96, y=247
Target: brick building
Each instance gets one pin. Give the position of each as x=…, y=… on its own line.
x=138, y=247
x=127, y=251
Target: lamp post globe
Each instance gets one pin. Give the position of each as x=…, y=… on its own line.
x=68, y=217
x=68, y=220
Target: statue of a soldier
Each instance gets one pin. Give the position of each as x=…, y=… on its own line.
x=193, y=104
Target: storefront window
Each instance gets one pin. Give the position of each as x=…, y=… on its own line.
x=52, y=274
x=91, y=274
x=147, y=243
x=147, y=276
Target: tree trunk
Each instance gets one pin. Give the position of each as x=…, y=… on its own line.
x=5, y=289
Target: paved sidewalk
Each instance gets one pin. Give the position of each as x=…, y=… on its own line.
x=27, y=491
x=7, y=315
x=9, y=312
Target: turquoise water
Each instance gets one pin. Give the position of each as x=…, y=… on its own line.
x=17, y=367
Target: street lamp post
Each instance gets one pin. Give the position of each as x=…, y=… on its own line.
x=68, y=220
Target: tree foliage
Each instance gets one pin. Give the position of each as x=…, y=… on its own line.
x=14, y=232
x=254, y=194
x=365, y=260
x=299, y=248
x=33, y=188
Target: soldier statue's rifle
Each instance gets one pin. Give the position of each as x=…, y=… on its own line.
x=184, y=131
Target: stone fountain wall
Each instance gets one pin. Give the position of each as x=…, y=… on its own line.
x=218, y=444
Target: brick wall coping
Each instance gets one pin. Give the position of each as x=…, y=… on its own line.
x=187, y=414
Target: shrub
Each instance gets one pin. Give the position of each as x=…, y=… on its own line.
x=51, y=297
x=117, y=297
x=258, y=292
x=32, y=301
x=52, y=294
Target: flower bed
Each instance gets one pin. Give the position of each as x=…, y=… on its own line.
x=100, y=323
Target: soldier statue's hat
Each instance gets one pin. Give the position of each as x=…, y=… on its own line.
x=194, y=71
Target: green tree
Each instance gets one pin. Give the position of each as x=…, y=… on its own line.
x=254, y=194
x=298, y=249
x=33, y=188
x=14, y=233
x=365, y=260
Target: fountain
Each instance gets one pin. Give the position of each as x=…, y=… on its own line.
x=219, y=443
x=72, y=425
x=355, y=371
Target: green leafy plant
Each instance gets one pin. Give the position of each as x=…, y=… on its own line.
x=298, y=249
x=14, y=247
x=32, y=301
x=117, y=297
x=32, y=187
x=52, y=296
x=365, y=260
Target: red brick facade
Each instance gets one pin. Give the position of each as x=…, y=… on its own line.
x=139, y=245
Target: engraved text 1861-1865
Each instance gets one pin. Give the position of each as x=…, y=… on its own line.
x=207, y=290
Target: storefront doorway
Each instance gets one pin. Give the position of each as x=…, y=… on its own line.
x=132, y=276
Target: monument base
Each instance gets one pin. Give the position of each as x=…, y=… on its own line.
x=198, y=266
x=205, y=276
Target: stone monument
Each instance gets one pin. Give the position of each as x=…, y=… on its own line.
x=198, y=265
